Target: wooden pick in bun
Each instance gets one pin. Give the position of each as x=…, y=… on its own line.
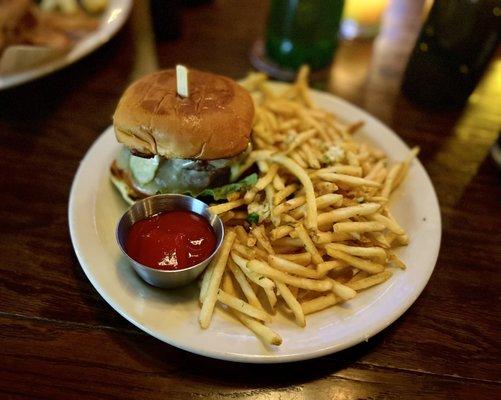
x=184, y=144
x=213, y=122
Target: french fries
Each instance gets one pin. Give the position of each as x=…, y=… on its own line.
x=315, y=229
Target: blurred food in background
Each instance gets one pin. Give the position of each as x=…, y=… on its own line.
x=49, y=24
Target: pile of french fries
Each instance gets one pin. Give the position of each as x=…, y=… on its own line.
x=316, y=228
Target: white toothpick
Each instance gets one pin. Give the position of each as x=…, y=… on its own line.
x=182, y=80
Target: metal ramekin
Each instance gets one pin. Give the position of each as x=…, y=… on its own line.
x=153, y=205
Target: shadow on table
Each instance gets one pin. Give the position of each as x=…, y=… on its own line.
x=166, y=360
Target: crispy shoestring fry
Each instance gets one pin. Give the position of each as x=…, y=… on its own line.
x=244, y=284
x=299, y=258
x=370, y=281
x=319, y=303
x=209, y=300
x=281, y=195
x=264, y=333
x=347, y=212
x=357, y=262
x=311, y=214
x=263, y=268
x=291, y=301
x=308, y=244
x=291, y=267
x=242, y=306
x=258, y=279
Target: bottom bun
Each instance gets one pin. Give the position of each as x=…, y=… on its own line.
x=122, y=182
x=123, y=189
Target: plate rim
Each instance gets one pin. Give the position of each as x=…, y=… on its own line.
x=19, y=78
x=382, y=324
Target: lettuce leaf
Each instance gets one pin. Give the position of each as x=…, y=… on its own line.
x=220, y=193
x=253, y=218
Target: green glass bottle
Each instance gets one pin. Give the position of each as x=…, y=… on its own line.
x=303, y=32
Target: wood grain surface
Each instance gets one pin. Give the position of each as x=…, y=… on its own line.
x=60, y=340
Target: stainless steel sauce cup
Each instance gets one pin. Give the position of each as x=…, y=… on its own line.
x=153, y=205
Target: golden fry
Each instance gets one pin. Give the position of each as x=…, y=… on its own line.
x=332, y=265
x=291, y=267
x=308, y=244
x=396, y=261
x=311, y=215
x=288, y=242
x=259, y=233
x=242, y=306
x=357, y=262
x=405, y=167
x=390, y=224
x=281, y=195
x=291, y=301
x=258, y=279
x=370, y=281
x=342, y=291
x=339, y=169
x=360, y=227
x=340, y=214
x=365, y=252
x=244, y=284
x=347, y=179
x=281, y=232
x=215, y=280
x=319, y=303
x=299, y=258
x=325, y=187
x=205, y=282
x=241, y=234
x=224, y=207
x=263, y=268
x=290, y=205
x=390, y=178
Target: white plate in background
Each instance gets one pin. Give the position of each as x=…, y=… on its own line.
x=172, y=316
x=111, y=21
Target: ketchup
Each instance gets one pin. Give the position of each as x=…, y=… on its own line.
x=171, y=240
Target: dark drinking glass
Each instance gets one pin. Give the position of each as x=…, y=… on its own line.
x=166, y=17
x=303, y=32
x=453, y=49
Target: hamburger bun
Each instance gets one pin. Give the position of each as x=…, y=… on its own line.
x=213, y=122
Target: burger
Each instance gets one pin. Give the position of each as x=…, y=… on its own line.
x=175, y=144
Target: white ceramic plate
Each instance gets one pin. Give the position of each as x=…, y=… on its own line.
x=172, y=316
x=111, y=21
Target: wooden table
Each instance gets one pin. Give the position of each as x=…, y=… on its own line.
x=60, y=340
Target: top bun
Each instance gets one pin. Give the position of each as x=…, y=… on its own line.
x=213, y=122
